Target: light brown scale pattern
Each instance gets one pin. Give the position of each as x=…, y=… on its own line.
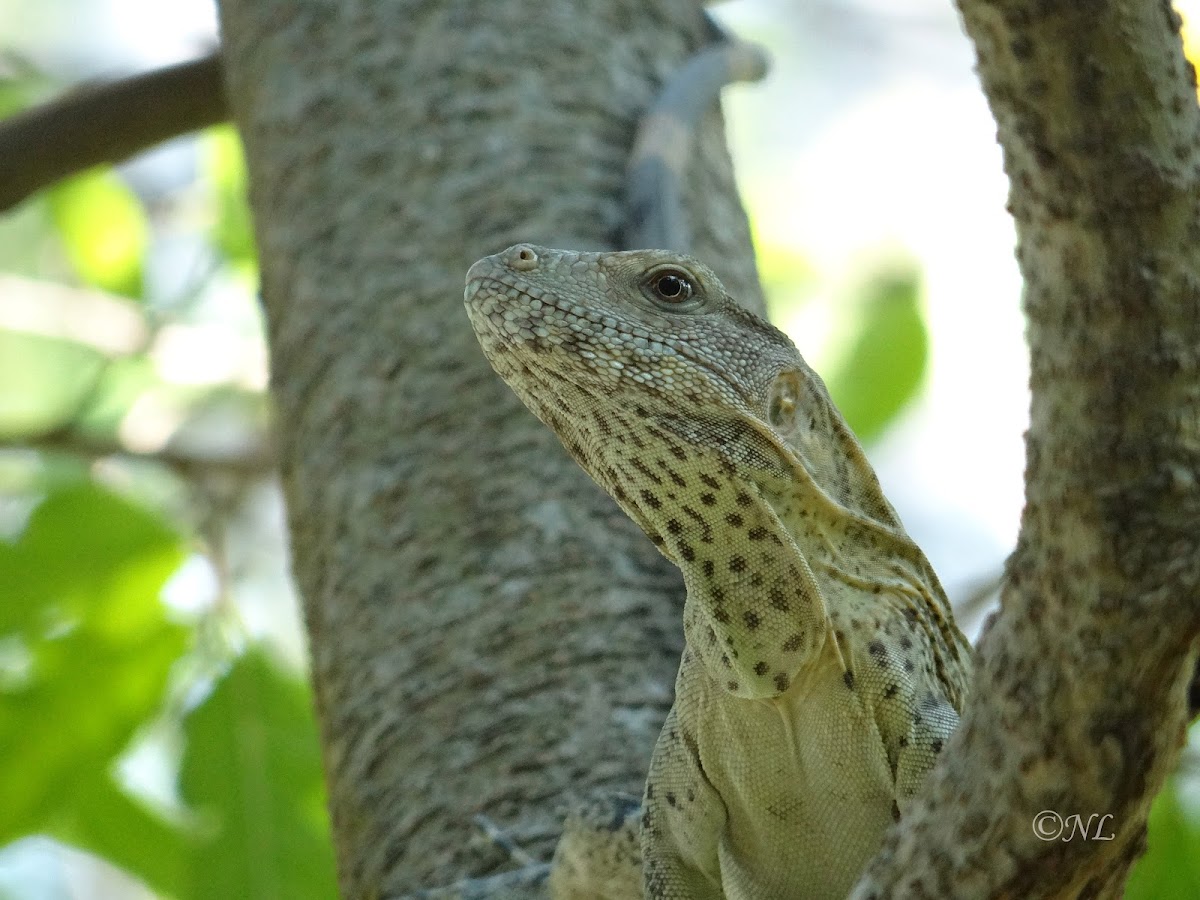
x=823, y=669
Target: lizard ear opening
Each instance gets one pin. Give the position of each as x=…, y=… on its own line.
x=783, y=400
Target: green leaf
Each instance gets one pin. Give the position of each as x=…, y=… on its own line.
x=107, y=822
x=1170, y=870
x=103, y=228
x=43, y=382
x=252, y=772
x=82, y=586
x=885, y=362
x=233, y=232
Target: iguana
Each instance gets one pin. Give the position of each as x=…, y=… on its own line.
x=823, y=670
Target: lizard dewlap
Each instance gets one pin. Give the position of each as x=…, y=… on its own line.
x=823, y=670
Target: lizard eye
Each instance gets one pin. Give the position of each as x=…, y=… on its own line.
x=672, y=286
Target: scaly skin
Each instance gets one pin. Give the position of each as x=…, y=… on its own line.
x=822, y=669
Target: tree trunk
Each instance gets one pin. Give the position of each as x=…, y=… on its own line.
x=489, y=632
x=1080, y=698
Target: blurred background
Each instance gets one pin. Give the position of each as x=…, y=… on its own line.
x=156, y=735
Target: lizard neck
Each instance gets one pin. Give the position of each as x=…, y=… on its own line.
x=773, y=534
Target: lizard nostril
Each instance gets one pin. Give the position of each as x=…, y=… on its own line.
x=522, y=257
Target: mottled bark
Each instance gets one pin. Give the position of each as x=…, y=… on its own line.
x=1081, y=688
x=489, y=633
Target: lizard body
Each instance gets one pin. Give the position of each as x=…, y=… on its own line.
x=822, y=668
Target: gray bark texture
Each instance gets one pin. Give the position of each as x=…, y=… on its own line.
x=489, y=633
x=1080, y=701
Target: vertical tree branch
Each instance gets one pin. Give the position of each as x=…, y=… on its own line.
x=488, y=631
x=1081, y=689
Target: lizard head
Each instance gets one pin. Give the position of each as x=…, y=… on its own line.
x=608, y=332
x=703, y=422
x=708, y=428
x=634, y=356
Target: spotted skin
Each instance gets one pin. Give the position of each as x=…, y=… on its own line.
x=823, y=670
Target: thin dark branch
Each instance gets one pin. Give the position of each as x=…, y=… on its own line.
x=106, y=123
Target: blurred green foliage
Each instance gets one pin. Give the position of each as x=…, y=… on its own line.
x=1170, y=870
x=43, y=382
x=252, y=772
x=103, y=230
x=883, y=363
x=225, y=170
x=93, y=662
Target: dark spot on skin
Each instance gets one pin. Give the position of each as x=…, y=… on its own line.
x=743, y=499
x=670, y=798
x=657, y=540
x=705, y=528
x=675, y=477
x=709, y=481
x=725, y=661
x=721, y=616
x=781, y=682
x=936, y=746
x=649, y=791
x=718, y=595
x=794, y=643
x=691, y=795
x=908, y=665
x=708, y=568
x=757, y=533
x=686, y=551
x=895, y=811
x=674, y=526
x=751, y=619
x=848, y=677
x=737, y=564
x=761, y=669
x=756, y=579
x=652, y=501
x=734, y=519
x=875, y=648
x=708, y=499
x=778, y=601
x=677, y=452
x=902, y=743
x=905, y=643
x=890, y=691
x=732, y=686
x=641, y=467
